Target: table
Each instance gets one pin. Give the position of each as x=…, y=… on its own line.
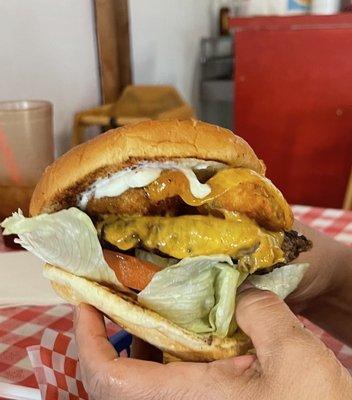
x=21, y=327
x=332, y=222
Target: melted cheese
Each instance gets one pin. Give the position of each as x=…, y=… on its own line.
x=195, y=235
x=143, y=174
x=232, y=189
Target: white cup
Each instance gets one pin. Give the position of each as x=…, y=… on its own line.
x=325, y=7
x=26, y=149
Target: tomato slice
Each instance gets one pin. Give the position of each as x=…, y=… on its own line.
x=130, y=271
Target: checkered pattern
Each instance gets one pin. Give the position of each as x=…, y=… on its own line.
x=21, y=327
x=332, y=222
x=55, y=366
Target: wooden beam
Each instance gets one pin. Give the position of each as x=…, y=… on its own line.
x=347, y=204
x=112, y=30
x=123, y=42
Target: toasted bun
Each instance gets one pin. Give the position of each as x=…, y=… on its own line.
x=146, y=324
x=117, y=148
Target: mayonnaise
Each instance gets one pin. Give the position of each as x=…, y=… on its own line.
x=144, y=173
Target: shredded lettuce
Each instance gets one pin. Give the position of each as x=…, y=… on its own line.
x=281, y=281
x=197, y=293
x=155, y=259
x=67, y=239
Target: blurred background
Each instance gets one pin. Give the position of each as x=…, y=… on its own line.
x=277, y=72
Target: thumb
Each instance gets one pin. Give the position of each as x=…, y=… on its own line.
x=235, y=366
x=266, y=319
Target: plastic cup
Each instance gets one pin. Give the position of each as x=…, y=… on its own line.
x=26, y=148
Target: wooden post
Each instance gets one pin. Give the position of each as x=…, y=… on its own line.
x=347, y=204
x=112, y=30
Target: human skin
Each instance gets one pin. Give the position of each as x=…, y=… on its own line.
x=325, y=294
x=290, y=363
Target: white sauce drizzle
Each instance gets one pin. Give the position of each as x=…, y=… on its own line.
x=141, y=175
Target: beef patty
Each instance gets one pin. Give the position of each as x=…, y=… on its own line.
x=293, y=245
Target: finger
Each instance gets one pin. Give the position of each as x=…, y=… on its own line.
x=130, y=379
x=266, y=319
x=243, y=363
x=93, y=347
x=236, y=366
x=107, y=377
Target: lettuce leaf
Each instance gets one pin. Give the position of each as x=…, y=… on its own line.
x=67, y=239
x=155, y=259
x=197, y=293
x=282, y=281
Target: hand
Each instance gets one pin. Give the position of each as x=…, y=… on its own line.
x=329, y=266
x=290, y=363
x=106, y=376
x=325, y=294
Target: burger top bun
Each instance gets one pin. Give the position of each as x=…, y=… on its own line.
x=146, y=324
x=118, y=148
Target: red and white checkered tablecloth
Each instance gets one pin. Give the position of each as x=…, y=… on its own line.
x=21, y=327
x=332, y=222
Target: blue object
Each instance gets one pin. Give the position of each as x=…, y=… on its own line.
x=122, y=340
x=300, y=5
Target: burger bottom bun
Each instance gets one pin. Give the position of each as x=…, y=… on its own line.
x=146, y=324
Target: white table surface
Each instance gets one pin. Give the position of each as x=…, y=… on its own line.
x=22, y=282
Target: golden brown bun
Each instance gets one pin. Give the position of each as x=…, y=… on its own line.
x=146, y=324
x=112, y=151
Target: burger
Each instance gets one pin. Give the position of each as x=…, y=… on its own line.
x=157, y=224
